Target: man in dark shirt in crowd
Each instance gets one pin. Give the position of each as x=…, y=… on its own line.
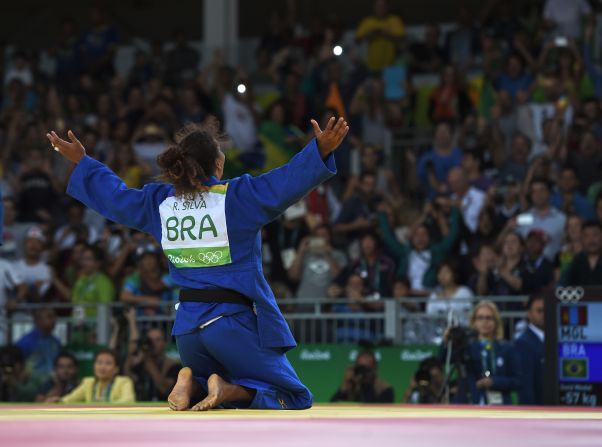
x=358, y=214
x=63, y=381
x=362, y=384
x=530, y=348
x=538, y=271
x=586, y=268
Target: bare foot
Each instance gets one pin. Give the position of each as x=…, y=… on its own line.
x=184, y=389
x=220, y=391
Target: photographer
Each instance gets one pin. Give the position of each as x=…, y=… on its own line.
x=425, y=386
x=488, y=367
x=153, y=371
x=362, y=384
x=16, y=384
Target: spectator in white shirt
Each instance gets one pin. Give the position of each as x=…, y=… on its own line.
x=450, y=295
x=32, y=268
x=565, y=17
x=469, y=199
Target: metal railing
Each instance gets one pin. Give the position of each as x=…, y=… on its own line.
x=323, y=321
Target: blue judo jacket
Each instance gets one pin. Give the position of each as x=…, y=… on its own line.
x=214, y=240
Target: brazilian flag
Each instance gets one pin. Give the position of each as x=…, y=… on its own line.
x=575, y=369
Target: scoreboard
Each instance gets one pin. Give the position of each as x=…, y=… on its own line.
x=573, y=343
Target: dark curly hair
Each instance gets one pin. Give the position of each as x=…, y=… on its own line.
x=190, y=160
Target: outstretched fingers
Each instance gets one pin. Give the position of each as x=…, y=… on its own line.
x=316, y=126
x=330, y=124
x=73, y=138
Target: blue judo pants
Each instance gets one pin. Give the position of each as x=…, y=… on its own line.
x=230, y=348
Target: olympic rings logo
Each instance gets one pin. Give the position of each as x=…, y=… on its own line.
x=569, y=295
x=210, y=257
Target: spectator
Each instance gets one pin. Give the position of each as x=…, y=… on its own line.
x=317, y=264
x=12, y=291
x=516, y=165
x=382, y=31
x=449, y=296
x=429, y=55
x=16, y=384
x=63, y=381
x=32, y=269
x=515, y=81
x=469, y=199
x=538, y=270
x=362, y=384
x=181, y=61
x=149, y=288
x=97, y=47
x=376, y=270
x=530, y=349
x=352, y=330
x=568, y=199
x=13, y=237
x=427, y=383
x=545, y=217
x=358, y=213
x=39, y=346
x=573, y=243
x=506, y=198
x=420, y=259
x=471, y=165
x=153, y=371
x=37, y=188
x=126, y=165
x=92, y=287
x=492, y=365
x=106, y=385
x=565, y=18
x=505, y=277
x=75, y=230
x=434, y=166
x=586, y=268
x=449, y=101
x=371, y=161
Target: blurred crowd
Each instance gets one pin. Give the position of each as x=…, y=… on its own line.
x=502, y=197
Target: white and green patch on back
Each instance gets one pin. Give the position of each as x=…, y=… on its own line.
x=194, y=232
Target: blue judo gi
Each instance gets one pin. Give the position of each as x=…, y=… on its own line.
x=214, y=242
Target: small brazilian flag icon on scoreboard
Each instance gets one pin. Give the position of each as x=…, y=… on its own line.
x=575, y=369
x=573, y=315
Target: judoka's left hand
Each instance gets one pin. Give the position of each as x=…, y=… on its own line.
x=73, y=151
x=330, y=138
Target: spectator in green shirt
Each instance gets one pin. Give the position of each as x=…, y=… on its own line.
x=92, y=286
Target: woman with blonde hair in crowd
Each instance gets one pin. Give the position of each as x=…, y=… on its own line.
x=491, y=364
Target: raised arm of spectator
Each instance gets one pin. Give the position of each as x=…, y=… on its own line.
x=450, y=237
x=396, y=248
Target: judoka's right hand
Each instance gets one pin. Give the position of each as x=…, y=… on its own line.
x=73, y=151
x=329, y=139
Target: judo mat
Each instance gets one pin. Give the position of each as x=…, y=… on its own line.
x=323, y=425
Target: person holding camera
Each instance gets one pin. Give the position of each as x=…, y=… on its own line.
x=154, y=372
x=425, y=387
x=488, y=367
x=362, y=384
x=16, y=383
x=317, y=264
